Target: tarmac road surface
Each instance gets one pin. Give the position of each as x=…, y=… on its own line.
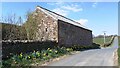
x=95, y=57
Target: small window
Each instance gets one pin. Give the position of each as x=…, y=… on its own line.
x=46, y=29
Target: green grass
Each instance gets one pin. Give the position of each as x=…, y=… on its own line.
x=119, y=56
x=119, y=52
x=100, y=41
x=35, y=57
x=119, y=40
x=43, y=55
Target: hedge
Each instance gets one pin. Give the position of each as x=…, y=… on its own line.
x=13, y=32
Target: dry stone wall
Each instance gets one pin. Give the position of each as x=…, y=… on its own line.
x=10, y=48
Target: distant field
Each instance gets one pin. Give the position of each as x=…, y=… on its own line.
x=101, y=40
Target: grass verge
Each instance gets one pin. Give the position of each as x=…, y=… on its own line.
x=38, y=57
x=100, y=41
x=35, y=57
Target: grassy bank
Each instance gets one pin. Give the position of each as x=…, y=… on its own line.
x=35, y=57
x=100, y=41
x=38, y=57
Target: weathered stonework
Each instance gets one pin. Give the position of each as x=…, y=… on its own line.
x=47, y=27
x=54, y=27
x=69, y=34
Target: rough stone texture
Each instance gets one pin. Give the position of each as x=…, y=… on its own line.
x=54, y=27
x=73, y=35
x=51, y=28
x=47, y=27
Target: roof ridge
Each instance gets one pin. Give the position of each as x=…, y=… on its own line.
x=58, y=14
x=63, y=17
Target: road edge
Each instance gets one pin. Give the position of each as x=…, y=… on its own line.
x=115, y=57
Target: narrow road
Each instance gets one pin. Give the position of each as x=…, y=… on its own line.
x=95, y=57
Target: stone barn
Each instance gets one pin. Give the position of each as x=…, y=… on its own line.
x=55, y=27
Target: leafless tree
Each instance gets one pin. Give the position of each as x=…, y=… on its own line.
x=14, y=29
x=19, y=21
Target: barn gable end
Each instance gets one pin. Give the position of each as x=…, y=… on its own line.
x=61, y=29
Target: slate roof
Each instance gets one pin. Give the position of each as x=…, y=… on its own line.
x=60, y=17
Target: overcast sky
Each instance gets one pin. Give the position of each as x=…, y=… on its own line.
x=97, y=16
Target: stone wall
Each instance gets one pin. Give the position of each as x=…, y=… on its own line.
x=69, y=34
x=47, y=27
x=10, y=48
